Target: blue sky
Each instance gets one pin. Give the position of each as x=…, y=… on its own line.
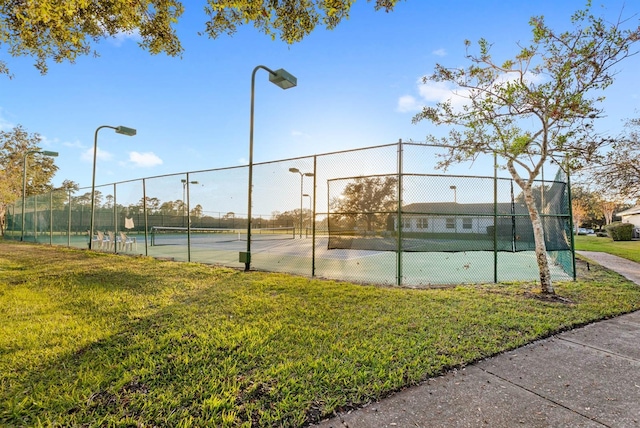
x=357, y=87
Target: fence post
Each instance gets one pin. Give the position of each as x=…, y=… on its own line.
x=399, y=184
x=51, y=217
x=495, y=217
x=571, y=225
x=144, y=212
x=69, y=221
x=313, y=217
x=115, y=220
x=188, y=221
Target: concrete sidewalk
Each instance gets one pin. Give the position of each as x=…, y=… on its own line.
x=587, y=377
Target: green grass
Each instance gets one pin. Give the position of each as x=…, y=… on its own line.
x=94, y=339
x=626, y=249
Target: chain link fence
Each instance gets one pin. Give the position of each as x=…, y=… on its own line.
x=381, y=214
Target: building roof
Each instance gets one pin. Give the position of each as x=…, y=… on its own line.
x=453, y=208
x=630, y=211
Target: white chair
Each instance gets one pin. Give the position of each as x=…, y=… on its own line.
x=127, y=243
x=110, y=242
x=99, y=239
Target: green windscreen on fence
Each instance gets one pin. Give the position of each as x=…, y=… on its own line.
x=364, y=215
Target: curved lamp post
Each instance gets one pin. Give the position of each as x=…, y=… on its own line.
x=185, y=183
x=306, y=195
x=24, y=181
x=284, y=80
x=302, y=176
x=119, y=130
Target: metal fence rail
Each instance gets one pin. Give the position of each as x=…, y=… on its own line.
x=378, y=215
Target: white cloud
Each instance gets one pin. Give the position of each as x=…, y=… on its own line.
x=439, y=92
x=295, y=133
x=440, y=52
x=74, y=145
x=121, y=37
x=5, y=125
x=102, y=155
x=407, y=103
x=144, y=160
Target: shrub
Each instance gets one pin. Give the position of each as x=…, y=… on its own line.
x=620, y=231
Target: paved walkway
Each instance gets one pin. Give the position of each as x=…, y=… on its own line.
x=587, y=377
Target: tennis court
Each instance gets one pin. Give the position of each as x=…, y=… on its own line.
x=373, y=215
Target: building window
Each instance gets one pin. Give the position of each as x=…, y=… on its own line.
x=422, y=223
x=451, y=223
x=467, y=223
x=406, y=223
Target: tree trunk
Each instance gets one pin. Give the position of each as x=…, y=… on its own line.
x=541, y=247
x=3, y=213
x=538, y=231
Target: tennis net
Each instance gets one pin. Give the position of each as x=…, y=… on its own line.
x=172, y=235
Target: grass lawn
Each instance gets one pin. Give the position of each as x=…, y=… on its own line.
x=94, y=339
x=626, y=249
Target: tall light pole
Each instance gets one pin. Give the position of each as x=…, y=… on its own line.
x=185, y=183
x=302, y=176
x=284, y=80
x=24, y=181
x=119, y=130
x=310, y=209
x=455, y=196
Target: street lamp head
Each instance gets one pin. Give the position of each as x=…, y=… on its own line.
x=308, y=174
x=48, y=153
x=283, y=79
x=126, y=131
x=453, y=187
x=296, y=170
x=306, y=194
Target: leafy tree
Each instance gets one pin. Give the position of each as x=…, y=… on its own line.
x=290, y=20
x=579, y=211
x=197, y=211
x=367, y=198
x=619, y=170
x=64, y=30
x=535, y=107
x=14, y=145
x=153, y=204
x=171, y=207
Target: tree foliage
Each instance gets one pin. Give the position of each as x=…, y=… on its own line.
x=367, y=198
x=64, y=30
x=619, y=169
x=14, y=147
x=288, y=20
x=533, y=108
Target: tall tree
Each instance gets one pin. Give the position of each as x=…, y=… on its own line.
x=367, y=198
x=14, y=146
x=535, y=107
x=64, y=30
